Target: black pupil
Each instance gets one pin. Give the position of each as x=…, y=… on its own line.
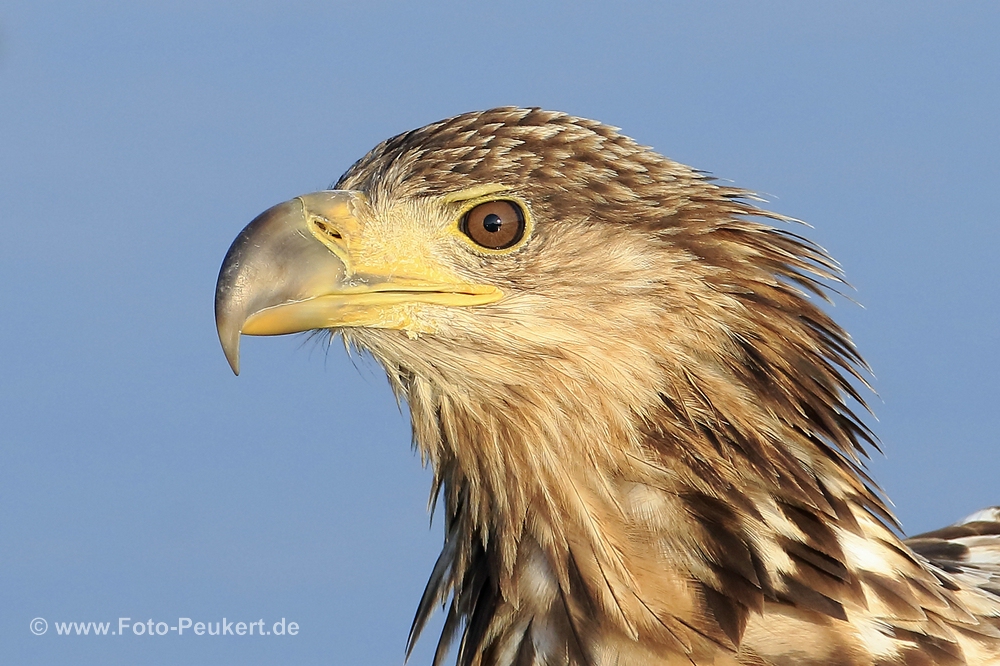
x=492, y=223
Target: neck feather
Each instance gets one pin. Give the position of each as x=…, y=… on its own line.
x=661, y=518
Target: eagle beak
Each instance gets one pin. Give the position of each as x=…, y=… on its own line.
x=294, y=268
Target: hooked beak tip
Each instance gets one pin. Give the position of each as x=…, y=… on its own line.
x=229, y=336
x=234, y=362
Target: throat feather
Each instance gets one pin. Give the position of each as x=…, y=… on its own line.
x=661, y=530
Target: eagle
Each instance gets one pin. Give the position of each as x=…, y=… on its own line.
x=643, y=426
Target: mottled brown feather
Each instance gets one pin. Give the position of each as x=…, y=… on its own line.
x=648, y=451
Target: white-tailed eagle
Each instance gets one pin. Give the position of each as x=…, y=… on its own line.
x=639, y=420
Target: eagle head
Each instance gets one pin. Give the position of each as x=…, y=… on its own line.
x=637, y=415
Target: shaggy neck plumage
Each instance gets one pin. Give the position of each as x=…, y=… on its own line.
x=635, y=510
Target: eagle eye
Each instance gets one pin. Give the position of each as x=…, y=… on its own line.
x=495, y=225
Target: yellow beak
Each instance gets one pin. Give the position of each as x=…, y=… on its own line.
x=294, y=268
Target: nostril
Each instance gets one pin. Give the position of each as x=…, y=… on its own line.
x=327, y=229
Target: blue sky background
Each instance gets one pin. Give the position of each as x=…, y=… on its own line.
x=139, y=478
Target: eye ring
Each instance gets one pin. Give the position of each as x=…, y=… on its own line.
x=495, y=225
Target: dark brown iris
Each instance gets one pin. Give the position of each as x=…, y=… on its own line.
x=495, y=225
